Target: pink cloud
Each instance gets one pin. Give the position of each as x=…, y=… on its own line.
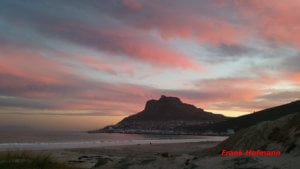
x=206, y=21
x=210, y=31
x=221, y=32
x=277, y=21
x=47, y=80
x=32, y=65
x=235, y=89
x=295, y=77
x=221, y=22
x=158, y=54
x=101, y=65
x=132, y=4
x=232, y=89
x=130, y=43
x=28, y=74
x=206, y=30
x=140, y=31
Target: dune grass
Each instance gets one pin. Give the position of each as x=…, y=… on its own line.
x=26, y=160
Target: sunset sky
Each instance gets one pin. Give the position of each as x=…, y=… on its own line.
x=74, y=64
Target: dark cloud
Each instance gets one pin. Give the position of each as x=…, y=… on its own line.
x=235, y=50
x=292, y=63
x=138, y=30
x=49, y=113
x=92, y=26
x=76, y=93
x=8, y=101
x=281, y=96
x=228, y=53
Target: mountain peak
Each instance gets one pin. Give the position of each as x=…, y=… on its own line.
x=168, y=108
x=166, y=113
x=162, y=96
x=164, y=101
x=170, y=99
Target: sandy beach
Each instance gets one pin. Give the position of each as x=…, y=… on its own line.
x=164, y=156
x=128, y=156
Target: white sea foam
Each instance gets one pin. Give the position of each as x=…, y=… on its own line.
x=100, y=143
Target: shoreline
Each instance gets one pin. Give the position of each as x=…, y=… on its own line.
x=161, y=132
x=101, y=143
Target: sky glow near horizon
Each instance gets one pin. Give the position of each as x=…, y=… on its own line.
x=78, y=60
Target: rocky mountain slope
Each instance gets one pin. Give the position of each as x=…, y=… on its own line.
x=166, y=114
x=171, y=108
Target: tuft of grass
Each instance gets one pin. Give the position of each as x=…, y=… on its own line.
x=102, y=161
x=25, y=160
x=124, y=163
x=147, y=161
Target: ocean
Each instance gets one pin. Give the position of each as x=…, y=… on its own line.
x=40, y=140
